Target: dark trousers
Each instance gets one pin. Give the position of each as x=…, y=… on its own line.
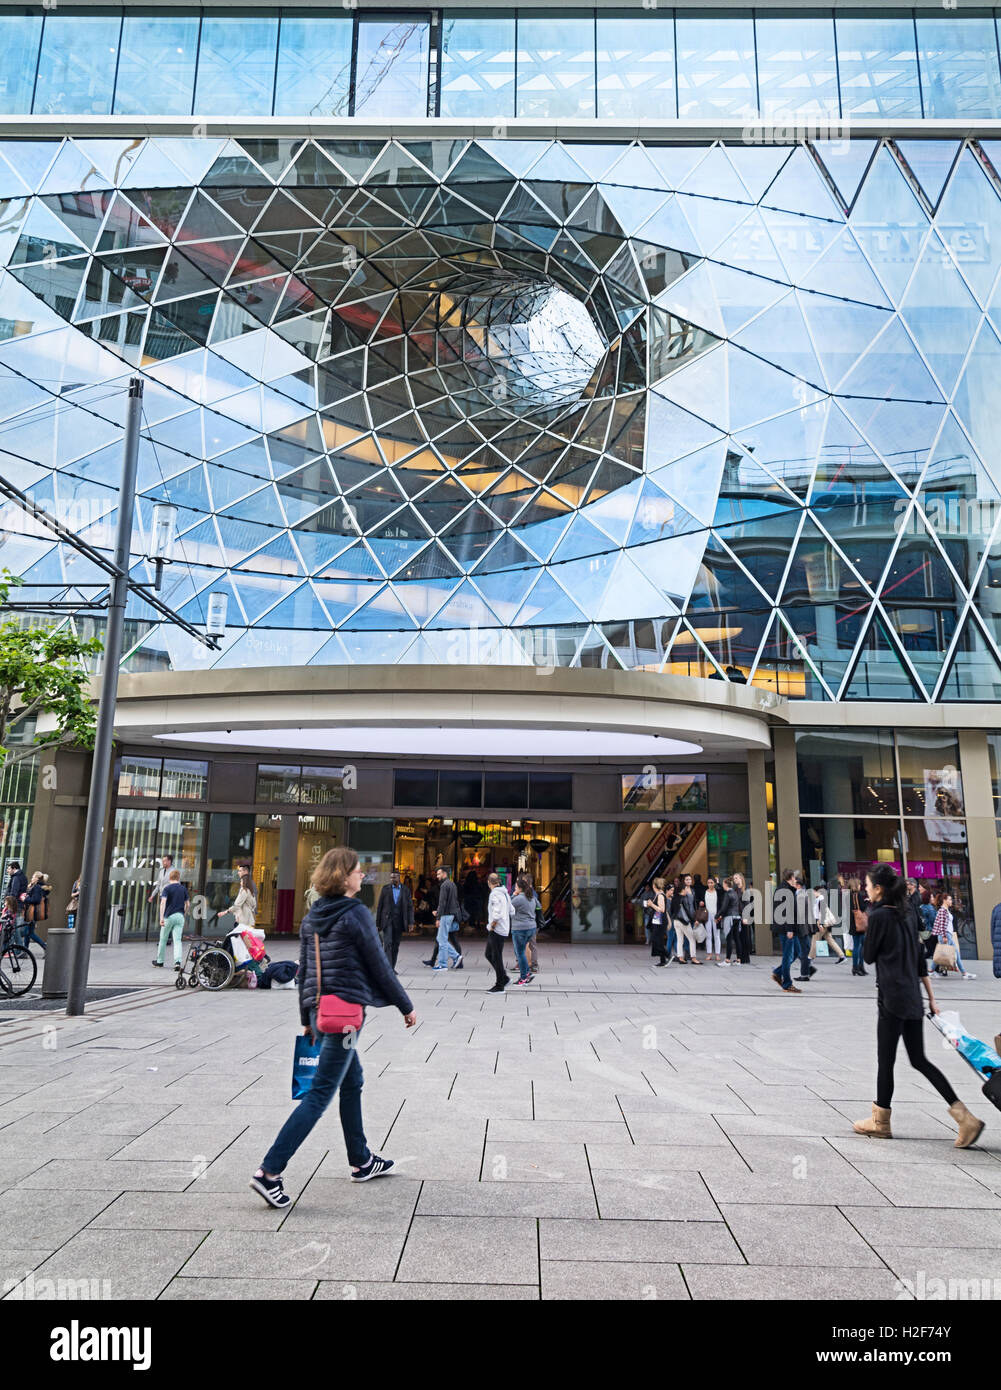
x=495, y=957
x=738, y=941
x=391, y=934
x=858, y=961
x=337, y=1069
x=802, y=944
x=889, y=1031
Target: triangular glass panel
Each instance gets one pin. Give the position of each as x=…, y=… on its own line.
x=843, y=266
x=889, y=223
x=930, y=162
x=841, y=331
x=846, y=162
x=880, y=672
x=940, y=312
x=892, y=365
x=974, y=671
x=757, y=165
x=799, y=188
x=548, y=603
x=71, y=171
x=781, y=335
x=785, y=667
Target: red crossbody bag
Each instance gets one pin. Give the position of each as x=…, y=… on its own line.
x=334, y=1014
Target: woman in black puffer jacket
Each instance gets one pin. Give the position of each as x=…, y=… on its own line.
x=354, y=966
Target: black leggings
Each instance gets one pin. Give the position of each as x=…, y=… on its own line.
x=889, y=1031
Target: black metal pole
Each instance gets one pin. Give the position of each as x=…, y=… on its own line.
x=97, y=805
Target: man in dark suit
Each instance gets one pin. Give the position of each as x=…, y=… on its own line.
x=394, y=915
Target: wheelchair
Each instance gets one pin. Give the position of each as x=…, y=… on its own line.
x=211, y=964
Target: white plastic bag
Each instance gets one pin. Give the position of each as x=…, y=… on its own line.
x=948, y=1022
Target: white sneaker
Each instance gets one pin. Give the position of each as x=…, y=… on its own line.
x=968, y=976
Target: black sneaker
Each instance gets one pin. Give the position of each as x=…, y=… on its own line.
x=374, y=1168
x=457, y=965
x=270, y=1189
x=432, y=961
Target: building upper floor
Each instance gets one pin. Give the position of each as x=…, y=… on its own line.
x=497, y=64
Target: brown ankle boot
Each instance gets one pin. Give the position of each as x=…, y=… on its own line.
x=878, y=1126
x=970, y=1128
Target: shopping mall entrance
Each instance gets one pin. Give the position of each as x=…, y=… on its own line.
x=473, y=849
x=671, y=849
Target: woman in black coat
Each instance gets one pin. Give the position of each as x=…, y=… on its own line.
x=339, y=934
x=893, y=947
x=657, y=905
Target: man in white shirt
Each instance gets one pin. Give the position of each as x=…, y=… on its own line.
x=160, y=881
x=498, y=929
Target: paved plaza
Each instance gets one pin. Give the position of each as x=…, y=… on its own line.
x=610, y=1131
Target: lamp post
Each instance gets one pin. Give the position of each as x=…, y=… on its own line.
x=97, y=804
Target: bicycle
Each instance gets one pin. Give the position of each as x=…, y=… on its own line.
x=18, y=968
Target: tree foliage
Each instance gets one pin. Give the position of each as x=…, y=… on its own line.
x=42, y=671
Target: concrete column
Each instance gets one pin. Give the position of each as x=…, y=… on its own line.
x=787, y=801
x=288, y=850
x=758, y=816
x=981, y=833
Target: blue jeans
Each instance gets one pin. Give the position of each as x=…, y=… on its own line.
x=27, y=931
x=338, y=1067
x=520, y=938
x=446, y=951
x=782, y=972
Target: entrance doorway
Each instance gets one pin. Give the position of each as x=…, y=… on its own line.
x=473, y=849
x=316, y=835
x=671, y=849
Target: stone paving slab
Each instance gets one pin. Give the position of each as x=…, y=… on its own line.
x=610, y=1132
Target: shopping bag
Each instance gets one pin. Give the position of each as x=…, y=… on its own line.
x=945, y=957
x=253, y=945
x=304, y=1063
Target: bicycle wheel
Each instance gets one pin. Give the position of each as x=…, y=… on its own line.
x=17, y=970
x=214, y=969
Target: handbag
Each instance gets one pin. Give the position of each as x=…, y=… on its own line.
x=334, y=1014
x=305, y=1060
x=859, y=921
x=702, y=915
x=945, y=957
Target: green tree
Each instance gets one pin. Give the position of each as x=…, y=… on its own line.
x=42, y=671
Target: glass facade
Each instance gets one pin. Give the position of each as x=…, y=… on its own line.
x=646, y=63
x=871, y=796
x=712, y=409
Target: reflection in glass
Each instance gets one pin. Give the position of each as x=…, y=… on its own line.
x=959, y=65
x=844, y=772
x=314, y=66
x=184, y=781
x=477, y=64
x=556, y=65
x=594, y=881
x=716, y=66
x=635, y=67
x=322, y=786
x=19, y=39
x=156, y=72
x=277, y=782
x=878, y=66
x=930, y=782
x=391, y=77
x=236, y=66
x=797, y=69
x=139, y=776
x=937, y=857
x=76, y=70
x=642, y=791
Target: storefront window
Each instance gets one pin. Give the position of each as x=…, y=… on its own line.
x=140, y=838
x=994, y=754
x=685, y=791
x=230, y=844
x=184, y=781
x=278, y=782
x=936, y=856
x=372, y=840
x=728, y=849
x=322, y=786
x=844, y=772
x=847, y=846
x=642, y=791
x=139, y=777
x=930, y=782
x=594, y=881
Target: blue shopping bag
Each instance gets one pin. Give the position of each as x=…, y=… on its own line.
x=304, y=1063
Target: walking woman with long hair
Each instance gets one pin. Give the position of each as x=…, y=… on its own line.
x=340, y=954
x=658, y=921
x=893, y=947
